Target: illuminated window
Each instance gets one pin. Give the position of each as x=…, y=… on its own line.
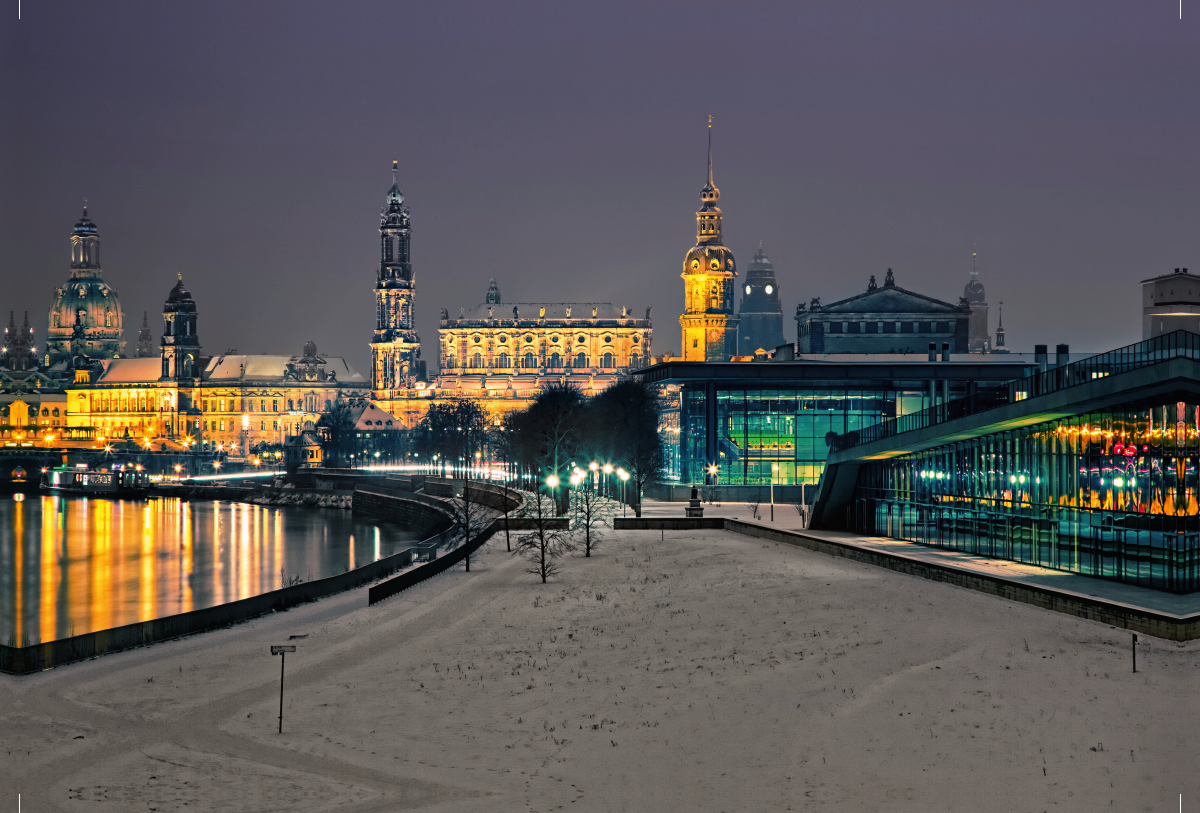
x=607, y=360
x=581, y=360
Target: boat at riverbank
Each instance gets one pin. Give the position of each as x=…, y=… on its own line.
x=119, y=481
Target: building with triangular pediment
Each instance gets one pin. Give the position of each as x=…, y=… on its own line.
x=884, y=319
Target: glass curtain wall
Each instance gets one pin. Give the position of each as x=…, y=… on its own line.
x=758, y=429
x=1111, y=494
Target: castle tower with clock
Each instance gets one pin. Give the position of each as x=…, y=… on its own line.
x=710, y=326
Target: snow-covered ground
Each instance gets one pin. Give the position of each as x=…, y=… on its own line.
x=707, y=671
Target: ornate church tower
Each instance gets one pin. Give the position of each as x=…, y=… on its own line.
x=180, y=347
x=395, y=348
x=87, y=299
x=710, y=328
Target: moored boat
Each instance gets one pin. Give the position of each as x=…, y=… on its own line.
x=118, y=481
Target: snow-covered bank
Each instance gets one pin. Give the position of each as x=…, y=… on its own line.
x=705, y=672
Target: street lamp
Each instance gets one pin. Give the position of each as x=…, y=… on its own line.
x=774, y=468
x=608, y=470
x=624, y=475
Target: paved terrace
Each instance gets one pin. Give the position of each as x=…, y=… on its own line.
x=1061, y=583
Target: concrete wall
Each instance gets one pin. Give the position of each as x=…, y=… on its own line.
x=672, y=492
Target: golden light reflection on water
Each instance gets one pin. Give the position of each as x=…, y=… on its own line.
x=75, y=565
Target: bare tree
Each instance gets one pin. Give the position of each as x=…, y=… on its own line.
x=590, y=512
x=469, y=517
x=753, y=505
x=544, y=544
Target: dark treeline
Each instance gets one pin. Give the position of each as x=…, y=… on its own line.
x=617, y=428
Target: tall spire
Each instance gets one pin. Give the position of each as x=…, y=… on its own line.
x=711, y=150
x=974, y=266
x=709, y=195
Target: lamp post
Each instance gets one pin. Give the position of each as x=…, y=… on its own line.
x=608, y=470
x=774, y=468
x=624, y=475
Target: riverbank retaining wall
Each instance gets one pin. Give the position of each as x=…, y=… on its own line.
x=428, y=515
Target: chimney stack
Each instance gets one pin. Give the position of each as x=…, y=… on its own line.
x=933, y=351
x=1040, y=356
x=1062, y=355
x=945, y=351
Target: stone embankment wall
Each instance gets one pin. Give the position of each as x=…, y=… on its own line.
x=428, y=516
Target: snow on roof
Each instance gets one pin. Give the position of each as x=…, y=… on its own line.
x=229, y=368
x=130, y=371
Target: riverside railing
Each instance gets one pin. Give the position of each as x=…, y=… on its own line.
x=1180, y=344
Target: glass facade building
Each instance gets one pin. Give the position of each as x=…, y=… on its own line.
x=1111, y=493
x=1091, y=468
x=764, y=422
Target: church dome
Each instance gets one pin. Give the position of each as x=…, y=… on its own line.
x=709, y=259
x=180, y=297
x=88, y=299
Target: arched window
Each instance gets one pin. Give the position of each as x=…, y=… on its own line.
x=450, y=361
x=581, y=360
x=529, y=361
x=502, y=361
x=555, y=360
x=634, y=361
x=607, y=360
x=476, y=360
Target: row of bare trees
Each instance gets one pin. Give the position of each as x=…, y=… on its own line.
x=562, y=430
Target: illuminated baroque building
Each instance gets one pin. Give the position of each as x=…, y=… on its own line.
x=85, y=299
x=761, y=314
x=710, y=327
x=395, y=346
x=223, y=401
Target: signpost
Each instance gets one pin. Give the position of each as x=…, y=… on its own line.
x=281, y=651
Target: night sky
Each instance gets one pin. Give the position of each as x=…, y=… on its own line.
x=560, y=148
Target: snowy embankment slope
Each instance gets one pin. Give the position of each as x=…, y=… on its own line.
x=708, y=672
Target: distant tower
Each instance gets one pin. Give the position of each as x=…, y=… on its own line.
x=19, y=352
x=102, y=319
x=180, y=346
x=710, y=327
x=1170, y=302
x=395, y=347
x=977, y=327
x=761, y=313
x=493, y=294
x=1000, y=329
x=145, y=347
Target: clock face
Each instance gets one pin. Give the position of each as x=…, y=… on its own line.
x=713, y=335
x=748, y=290
x=770, y=289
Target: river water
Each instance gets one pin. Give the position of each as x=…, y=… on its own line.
x=70, y=565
